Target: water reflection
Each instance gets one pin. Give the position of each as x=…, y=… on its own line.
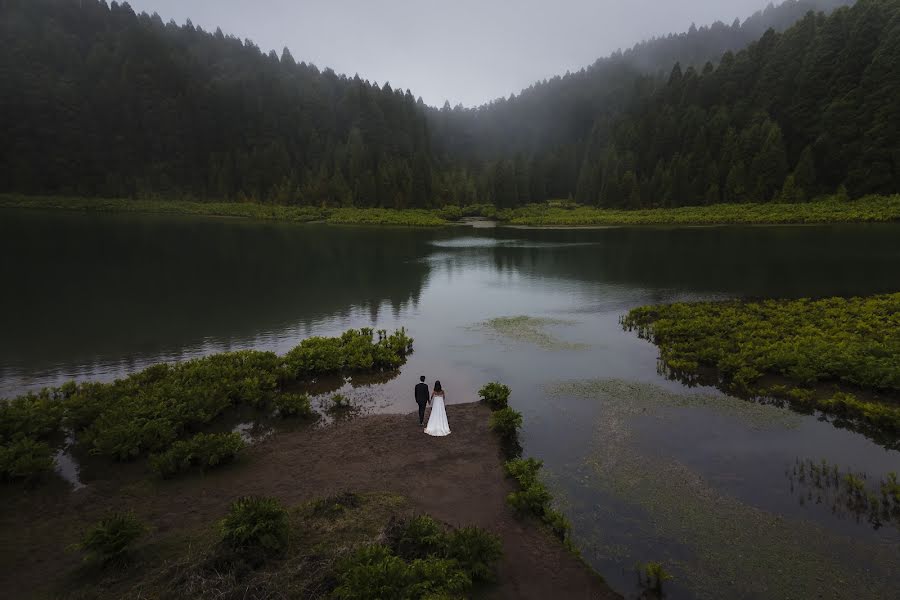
x=93, y=296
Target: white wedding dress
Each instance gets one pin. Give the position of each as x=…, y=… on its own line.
x=437, y=422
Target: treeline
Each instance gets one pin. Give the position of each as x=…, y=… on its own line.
x=796, y=115
x=101, y=101
x=106, y=102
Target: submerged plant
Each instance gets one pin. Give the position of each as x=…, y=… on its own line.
x=652, y=575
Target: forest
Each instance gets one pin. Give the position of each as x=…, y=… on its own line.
x=796, y=102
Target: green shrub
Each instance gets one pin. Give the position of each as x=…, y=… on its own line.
x=495, y=395
x=256, y=525
x=530, y=500
x=419, y=537
x=476, y=551
x=558, y=523
x=25, y=459
x=524, y=470
x=293, y=405
x=204, y=450
x=533, y=497
x=375, y=573
x=506, y=423
x=111, y=540
x=437, y=578
x=34, y=416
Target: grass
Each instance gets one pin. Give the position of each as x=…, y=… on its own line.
x=825, y=210
x=552, y=213
x=840, y=356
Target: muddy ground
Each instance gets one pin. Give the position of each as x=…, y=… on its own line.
x=458, y=479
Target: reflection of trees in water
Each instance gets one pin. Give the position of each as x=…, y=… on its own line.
x=745, y=261
x=138, y=284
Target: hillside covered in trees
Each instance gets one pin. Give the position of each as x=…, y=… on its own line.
x=112, y=103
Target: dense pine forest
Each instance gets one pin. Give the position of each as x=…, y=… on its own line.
x=101, y=101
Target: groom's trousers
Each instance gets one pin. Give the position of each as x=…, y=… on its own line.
x=422, y=413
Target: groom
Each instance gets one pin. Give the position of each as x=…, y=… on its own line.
x=422, y=398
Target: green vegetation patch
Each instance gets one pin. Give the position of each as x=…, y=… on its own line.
x=248, y=210
x=112, y=539
x=150, y=411
x=826, y=210
x=531, y=330
x=373, y=547
x=204, y=451
x=837, y=355
x=533, y=497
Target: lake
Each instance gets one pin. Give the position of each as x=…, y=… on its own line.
x=646, y=468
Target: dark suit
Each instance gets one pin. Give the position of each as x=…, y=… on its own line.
x=421, y=400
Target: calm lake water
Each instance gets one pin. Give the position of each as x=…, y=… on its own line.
x=647, y=469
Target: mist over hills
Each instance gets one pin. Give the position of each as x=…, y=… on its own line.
x=112, y=103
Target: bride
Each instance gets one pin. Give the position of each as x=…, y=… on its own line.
x=437, y=422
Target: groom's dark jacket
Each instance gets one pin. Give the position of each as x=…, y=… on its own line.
x=421, y=393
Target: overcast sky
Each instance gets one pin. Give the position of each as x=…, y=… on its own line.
x=467, y=51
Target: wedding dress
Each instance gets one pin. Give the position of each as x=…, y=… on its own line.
x=437, y=422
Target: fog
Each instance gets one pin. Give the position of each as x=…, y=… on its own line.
x=462, y=51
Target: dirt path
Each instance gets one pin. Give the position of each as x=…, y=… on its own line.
x=457, y=479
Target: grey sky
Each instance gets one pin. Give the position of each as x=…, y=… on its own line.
x=468, y=51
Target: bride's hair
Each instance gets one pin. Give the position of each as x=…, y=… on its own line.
x=437, y=386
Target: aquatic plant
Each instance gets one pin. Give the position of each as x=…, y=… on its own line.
x=652, y=575
x=204, y=451
x=846, y=492
x=531, y=330
x=506, y=423
x=495, y=395
x=255, y=527
x=293, y=405
x=150, y=411
x=111, y=539
x=809, y=345
x=533, y=497
x=339, y=402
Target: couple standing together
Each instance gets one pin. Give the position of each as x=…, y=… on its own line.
x=437, y=422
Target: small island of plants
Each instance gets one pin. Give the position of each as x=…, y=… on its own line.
x=840, y=356
x=163, y=411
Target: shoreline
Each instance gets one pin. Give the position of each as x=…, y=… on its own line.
x=830, y=210
x=458, y=480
